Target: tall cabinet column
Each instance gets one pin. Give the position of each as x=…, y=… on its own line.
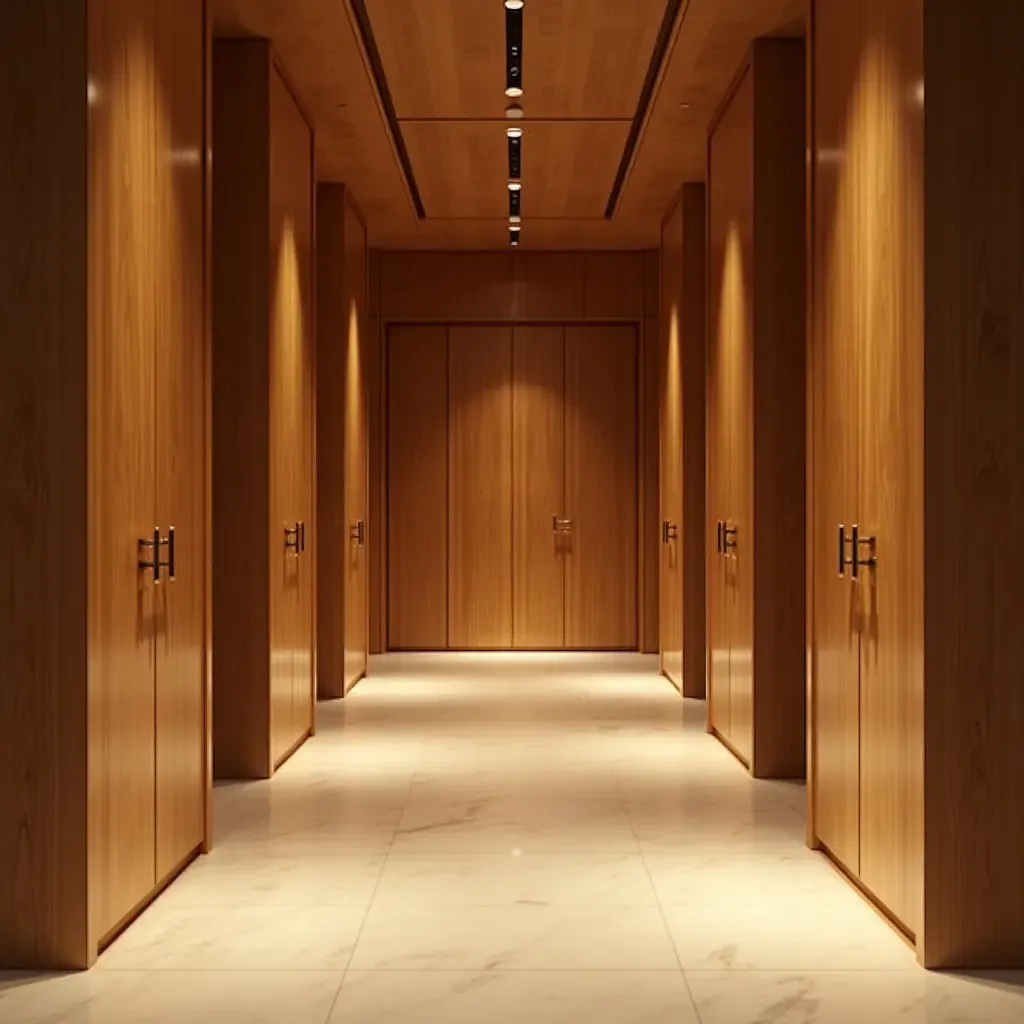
x=103, y=422
x=917, y=470
x=263, y=406
x=755, y=433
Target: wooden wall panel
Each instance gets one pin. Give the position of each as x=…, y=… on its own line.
x=547, y=286
x=181, y=433
x=43, y=431
x=445, y=286
x=356, y=454
x=613, y=285
x=332, y=319
x=648, y=516
x=693, y=348
x=835, y=389
x=417, y=467
x=241, y=428
x=538, y=487
x=778, y=471
x=601, y=449
x=479, y=487
x=974, y=318
x=344, y=351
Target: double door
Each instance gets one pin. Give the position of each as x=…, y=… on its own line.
x=512, y=468
x=147, y=454
x=867, y=364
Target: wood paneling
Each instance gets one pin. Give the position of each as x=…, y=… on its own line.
x=538, y=487
x=756, y=432
x=43, y=431
x=671, y=453
x=417, y=468
x=974, y=704
x=778, y=472
x=445, y=286
x=181, y=432
x=241, y=429
x=101, y=747
x=344, y=348
x=356, y=455
x=568, y=167
x=583, y=58
x=693, y=346
x=479, y=487
x=601, y=449
x=835, y=733
x=649, y=511
x=547, y=286
x=613, y=286
x=264, y=407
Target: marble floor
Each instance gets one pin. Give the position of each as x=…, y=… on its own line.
x=498, y=839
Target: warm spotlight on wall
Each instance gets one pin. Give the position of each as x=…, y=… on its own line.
x=513, y=49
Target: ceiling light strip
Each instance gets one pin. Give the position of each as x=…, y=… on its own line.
x=675, y=12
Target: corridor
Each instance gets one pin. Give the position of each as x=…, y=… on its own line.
x=508, y=838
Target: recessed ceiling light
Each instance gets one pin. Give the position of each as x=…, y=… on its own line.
x=514, y=133
x=515, y=186
x=513, y=92
x=514, y=111
x=514, y=5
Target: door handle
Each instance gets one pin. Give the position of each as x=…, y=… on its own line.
x=151, y=544
x=718, y=536
x=856, y=543
x=291, y=538
x=357, y=532
x=729, y=535
x=561, y=525
x=171, y=564
x=302, y=536
x=841, y=559
x=669, y=531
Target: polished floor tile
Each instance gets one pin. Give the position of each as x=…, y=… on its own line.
x=507, y=838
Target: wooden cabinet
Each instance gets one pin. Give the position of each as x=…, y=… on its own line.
x=916, y=468
x=417, y=494
x=755, y=430
x=867, y=468
x=524, y=525
x=263, y=393
x=342, y=428
x=103, y=414
x=479, y=487
x=601, y=487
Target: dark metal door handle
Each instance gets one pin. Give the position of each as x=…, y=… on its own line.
x=151, y=544
x=856, y=543
x=291, y=538
x=729, y=535
x=302, y=536
x=357, y=532
x=171, y=564
x=718, y=536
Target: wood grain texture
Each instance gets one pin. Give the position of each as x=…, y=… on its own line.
x=835, y=728
x=417, y=473
x=356, y=454
x=648, y=521
x=586, y=58
x=180, y=435
x=43, y=514
x=693, y=356
x=778, y=475
x=614, y=286
x=756, y=225
x=122, y=484
x=538, y=487
x=331, y=357
x=974, y=562
x=601, y=467
x=291, y=418
x=479, y=487
x=671, y=452
x=241, y=428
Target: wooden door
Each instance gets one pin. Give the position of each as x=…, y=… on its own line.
x=290, y=422
x=417, y=461
x=356, y=455
x=538, y=493
x=670, y=600
x=122, y=312
x=479, y=487
x=180, y=432
x=889, y=139
x=836, y=329
x=601, y=487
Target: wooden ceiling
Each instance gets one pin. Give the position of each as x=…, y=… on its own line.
x=408, y=102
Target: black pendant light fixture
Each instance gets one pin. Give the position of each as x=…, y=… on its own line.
x=514, y=134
